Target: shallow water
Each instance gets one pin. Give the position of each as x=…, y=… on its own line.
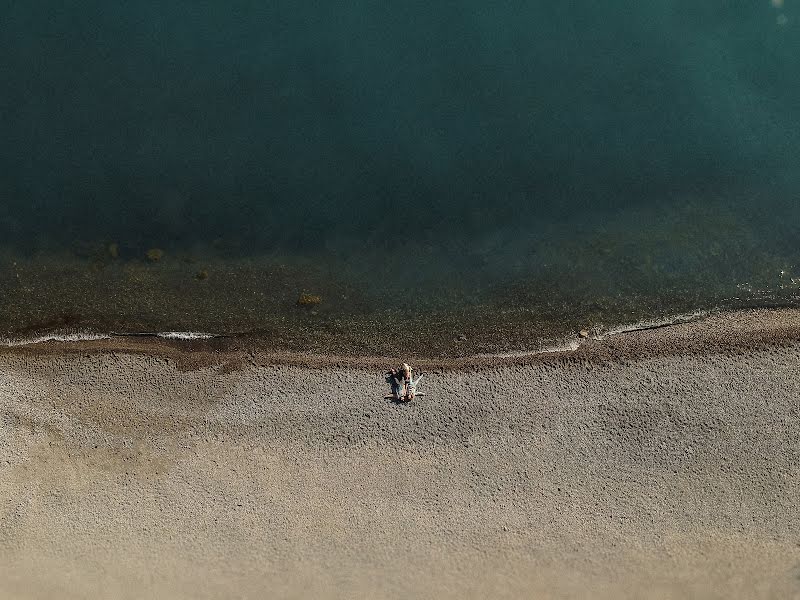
x=525, y=171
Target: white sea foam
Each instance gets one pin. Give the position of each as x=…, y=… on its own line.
x=565, y=346
x=54, y=337
x=570, y=345
x=650, y=324
x=89, y=337
x=185, y=335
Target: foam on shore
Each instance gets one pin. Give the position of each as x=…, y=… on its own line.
x=691, y=333
x=186, y=335
x=689, y=317
x=54, y=337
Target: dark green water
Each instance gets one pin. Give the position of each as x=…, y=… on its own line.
x=500, y=167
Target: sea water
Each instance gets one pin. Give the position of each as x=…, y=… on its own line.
x=319, y=174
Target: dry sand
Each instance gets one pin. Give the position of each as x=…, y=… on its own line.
x=655, y=464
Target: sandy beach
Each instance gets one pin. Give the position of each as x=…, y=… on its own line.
x=660, y=463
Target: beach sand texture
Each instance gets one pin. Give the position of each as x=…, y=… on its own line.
x=655, y=464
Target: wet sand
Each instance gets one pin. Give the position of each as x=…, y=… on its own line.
x=652, y=464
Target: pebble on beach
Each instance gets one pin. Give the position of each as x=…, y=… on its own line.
x=584, y=333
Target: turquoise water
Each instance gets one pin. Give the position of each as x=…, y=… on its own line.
x=549, y=164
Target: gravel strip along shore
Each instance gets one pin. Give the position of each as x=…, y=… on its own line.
x=652, y=464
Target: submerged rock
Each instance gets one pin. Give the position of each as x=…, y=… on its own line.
x=202, y=275
x=155, y=254
x=308, y=299
x=113, y=250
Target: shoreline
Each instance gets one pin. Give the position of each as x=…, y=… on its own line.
x=326, y=306
x=710, y=332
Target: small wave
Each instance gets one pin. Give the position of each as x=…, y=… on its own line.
x=185, y=335
x=570, y=345
x=54, y=337
x=90, y=337
x=653, y=324
x=566, y=346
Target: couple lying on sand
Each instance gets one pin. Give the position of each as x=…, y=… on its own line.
x=404, y=386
